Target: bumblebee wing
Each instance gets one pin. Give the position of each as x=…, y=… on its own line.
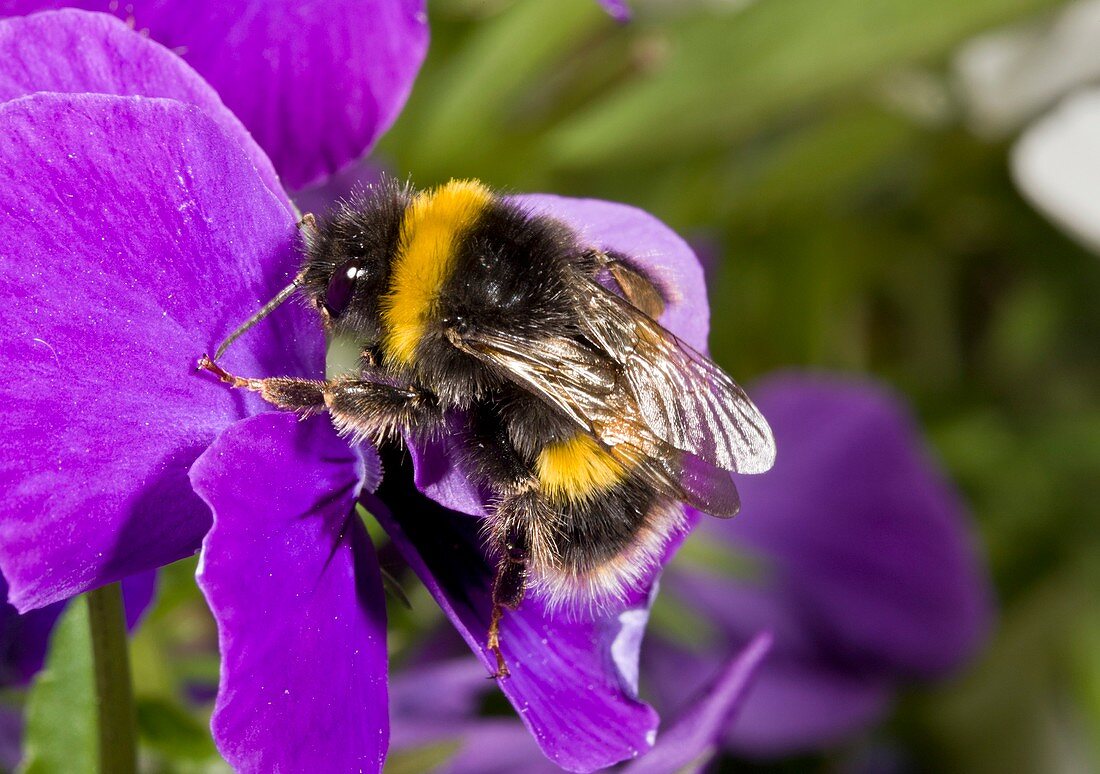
x=683, y=397
x=578, y=380
x=589, y=387
x=685, y=477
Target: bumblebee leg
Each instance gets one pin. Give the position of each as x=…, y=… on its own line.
x=509, y=586
x=638, y=289
x=363, y=408
x=521, y=530
x=305, y=396
x=381, y=411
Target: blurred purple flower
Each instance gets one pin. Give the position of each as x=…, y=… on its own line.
x=618, y=9
x=854, y=551
x=23, y=638
x=315, y=83
x=437, y=704
x=142, y=223
x=11, y=738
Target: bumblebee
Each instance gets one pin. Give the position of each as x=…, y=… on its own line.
x=585, y=418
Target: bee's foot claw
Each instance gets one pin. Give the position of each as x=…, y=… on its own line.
x=206, y=364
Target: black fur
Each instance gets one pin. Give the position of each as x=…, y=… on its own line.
x=595, y=531
x=514, y=274
x=510, y=274
x=383, y=412
x=367, y=227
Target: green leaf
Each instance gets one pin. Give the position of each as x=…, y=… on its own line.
x=61, y=706
x=726, y=75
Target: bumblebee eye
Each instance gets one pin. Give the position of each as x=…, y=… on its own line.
x=342, y=285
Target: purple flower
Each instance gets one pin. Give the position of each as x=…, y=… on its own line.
x=23, y=638
x=437, y=704
x=141, y=224
x=11, y=738
x=854, y=552
x=316, y=84
x=618, y=9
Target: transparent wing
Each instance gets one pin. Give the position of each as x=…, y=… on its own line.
x=651, y=399
x=682, y=396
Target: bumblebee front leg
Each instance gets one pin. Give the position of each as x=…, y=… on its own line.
x=360, y=407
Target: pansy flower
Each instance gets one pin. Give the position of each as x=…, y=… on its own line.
x=435, y=706
x=854, y=552
x=315, y=84
x=141, y=223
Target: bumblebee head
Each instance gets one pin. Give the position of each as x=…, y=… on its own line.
x=348, y=256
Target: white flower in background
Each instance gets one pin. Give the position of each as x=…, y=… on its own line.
x=1007, y=78
x=1056, y=165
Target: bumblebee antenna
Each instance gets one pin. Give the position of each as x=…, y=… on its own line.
x=265, y=310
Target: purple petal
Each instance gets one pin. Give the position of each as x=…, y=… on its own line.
x=484, y=746
x=136, y=236
x=494, y=746
x=11, y=738
x=795, y=704
x=291, y=577
x=862, y=529
x=341, y=186
x=799, y=707
x=446, y=691
x=438, y=703
x=76, y=52
x=618, y=9
x=316, y=83
x=696, y=733
x=23, y=640
x=138, y=592
x=573, y=682
x=438, y=474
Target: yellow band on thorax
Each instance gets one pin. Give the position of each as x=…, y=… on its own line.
x=431, y=228
x=577, y=468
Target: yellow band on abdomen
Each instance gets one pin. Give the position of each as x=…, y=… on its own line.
x=577, y=468
x=431, y=228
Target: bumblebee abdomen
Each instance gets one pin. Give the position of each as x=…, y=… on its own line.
x=577, y=469
x=603, y=542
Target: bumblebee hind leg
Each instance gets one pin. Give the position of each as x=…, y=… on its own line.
x=517, y=531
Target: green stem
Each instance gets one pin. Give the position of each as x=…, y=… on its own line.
x=114, y=697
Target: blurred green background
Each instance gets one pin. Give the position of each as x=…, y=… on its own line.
x=818, y=153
